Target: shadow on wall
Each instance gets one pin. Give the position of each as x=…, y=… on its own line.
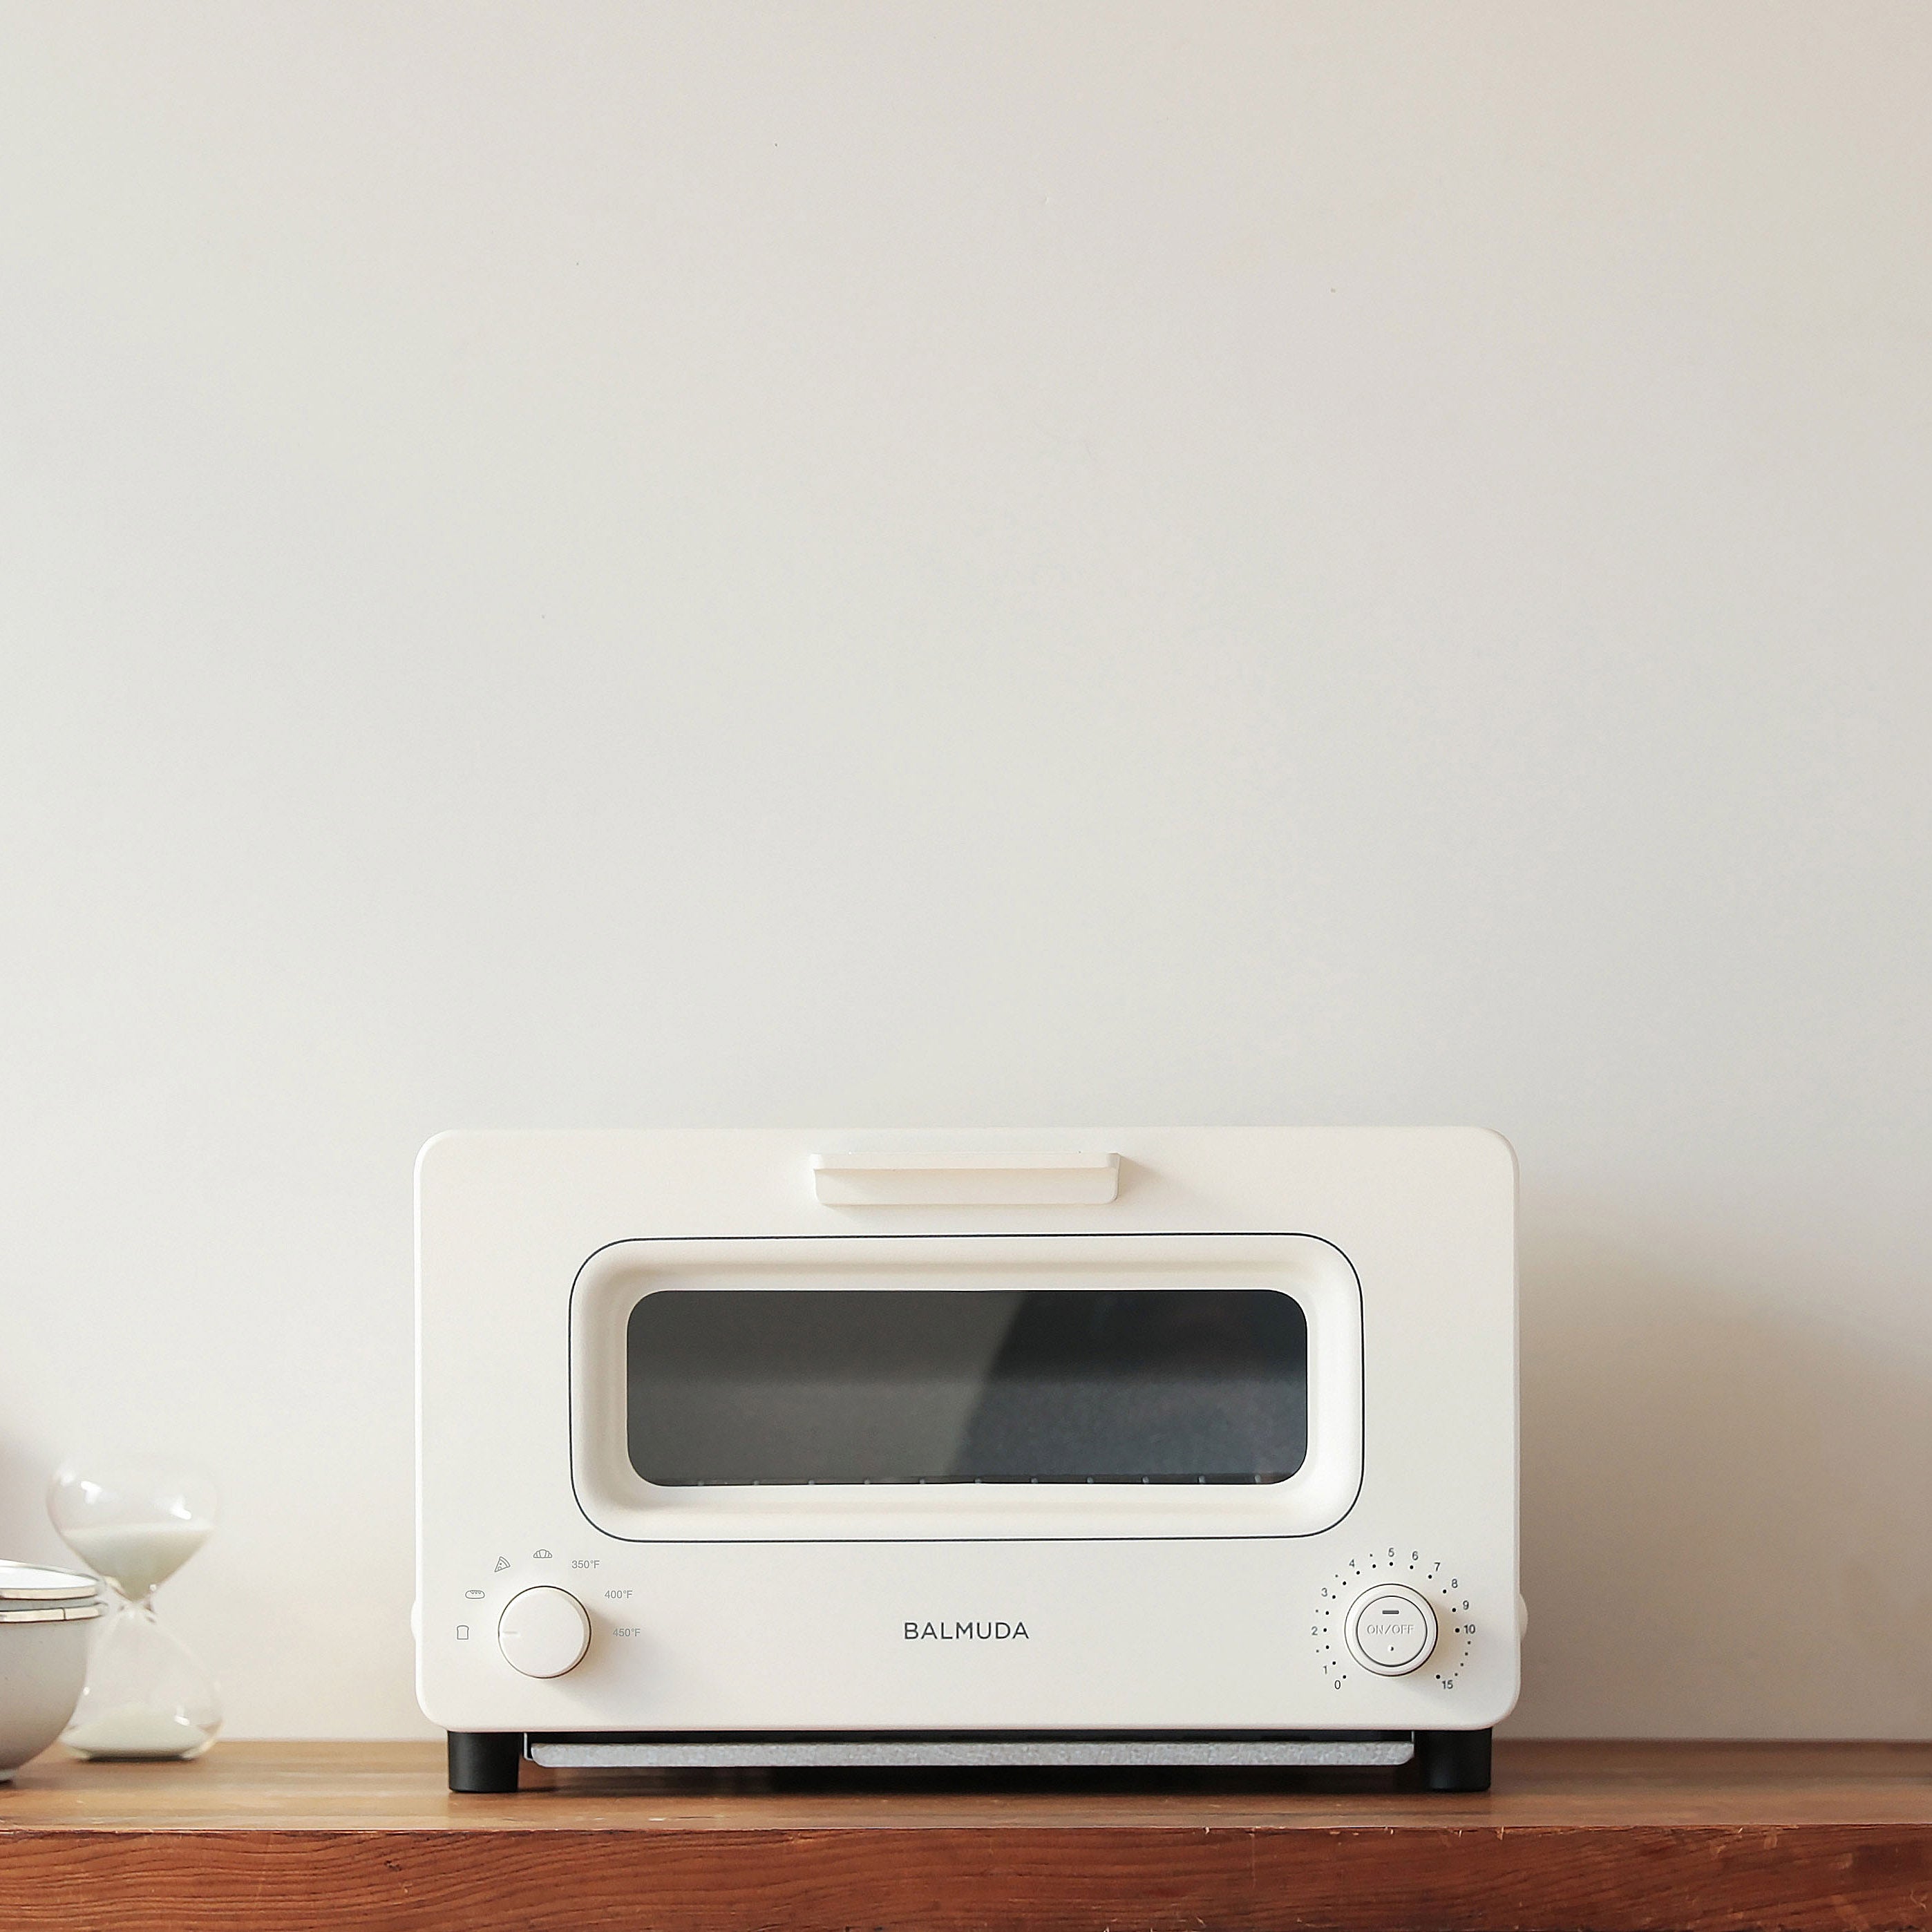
x=1727, y=1513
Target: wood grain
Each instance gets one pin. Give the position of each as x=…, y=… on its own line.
x=1652, y=1838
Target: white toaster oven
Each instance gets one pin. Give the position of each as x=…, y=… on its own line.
x=1186, y=1448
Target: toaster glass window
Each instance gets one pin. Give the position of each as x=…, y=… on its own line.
x=758, y=1386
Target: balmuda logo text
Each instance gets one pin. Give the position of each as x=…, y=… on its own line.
x=995, y=1632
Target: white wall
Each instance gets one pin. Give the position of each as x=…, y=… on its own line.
x=648, y=565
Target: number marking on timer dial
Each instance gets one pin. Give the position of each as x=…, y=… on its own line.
x=1440, y=1609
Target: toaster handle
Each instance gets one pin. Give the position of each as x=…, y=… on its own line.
x=965, y=1179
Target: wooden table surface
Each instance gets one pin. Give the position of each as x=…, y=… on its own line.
x=1642, y=1837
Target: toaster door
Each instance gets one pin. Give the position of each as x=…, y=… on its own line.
x=964, y=1387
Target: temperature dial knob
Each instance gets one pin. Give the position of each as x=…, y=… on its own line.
x=544, y=1632
x=1390, y=1631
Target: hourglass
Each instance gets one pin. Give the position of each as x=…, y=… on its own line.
x=135, y=1522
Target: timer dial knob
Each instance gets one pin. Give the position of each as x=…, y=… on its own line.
x=544, y=1632
x=1390, y=1631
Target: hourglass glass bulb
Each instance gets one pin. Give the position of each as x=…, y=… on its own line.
x=134, y=1521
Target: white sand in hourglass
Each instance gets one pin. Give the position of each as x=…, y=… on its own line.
x=136, y=1730
x=137, y=1558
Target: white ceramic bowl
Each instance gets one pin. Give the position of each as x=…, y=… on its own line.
x=43, y=1618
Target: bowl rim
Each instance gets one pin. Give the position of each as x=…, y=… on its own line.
x=40, y=1583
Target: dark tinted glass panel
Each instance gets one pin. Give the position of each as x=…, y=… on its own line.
x=942, y=1385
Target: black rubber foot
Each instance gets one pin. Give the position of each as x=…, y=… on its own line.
x=1452, y=1760
x=485, y=1760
